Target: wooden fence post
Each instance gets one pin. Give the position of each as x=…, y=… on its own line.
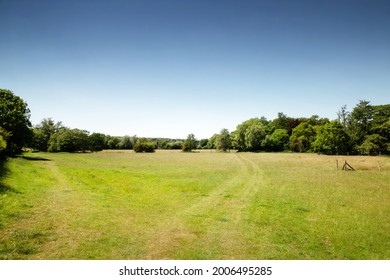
x=347, y=167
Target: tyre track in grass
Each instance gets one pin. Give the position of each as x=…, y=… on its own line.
x=62, y=208
x=234, y=235
x=79, y=222
x=45, y=225
x=212, y=225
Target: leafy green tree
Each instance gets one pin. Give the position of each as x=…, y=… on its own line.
x=39, y=141
x=359, y=122
x=223, y=141
x=42, y=133
x=69, y=140
x=343, y=116
x=380, y=123
x=249, y=135
x=203, y=144
x=160, y=143
x=97, y=142
x=277, y=141
x=302, y=136
x=125, y=143
x=374, y=144
x=239, y=137
x=143, y=147
x=15, y=119
x=189, y=144
x=315, y=120
x=212, y=143
x=363, y=121
x=135, y=139
x=4, y=136
x=3, y=146
x=112, y=142
x=331, y=139
x=291, y=124
x=281, y=121
x=174, y=145
x=254, y=137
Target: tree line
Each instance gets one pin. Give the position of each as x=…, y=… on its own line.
x=363, y=130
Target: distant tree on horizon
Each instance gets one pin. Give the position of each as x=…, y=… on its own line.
x=250, y=134
x=69, y=140
x=125, y=143
x=143, y=146
x=189, y=144
x=42, y=133
x=223, y=141
x=97, y=142
x=203, y=143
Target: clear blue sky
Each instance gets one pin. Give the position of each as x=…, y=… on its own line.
x=173, y=67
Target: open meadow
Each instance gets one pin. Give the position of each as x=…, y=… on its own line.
x=206, y=205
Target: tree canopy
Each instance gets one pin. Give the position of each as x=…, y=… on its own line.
x=364, y=130
x=250, y=134
x=69, y=140
x=331, y=139
x=302, y=137
x=277, y=141
x=14, y=121
x=42, y=133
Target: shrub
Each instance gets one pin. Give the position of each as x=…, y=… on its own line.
x=144, y=147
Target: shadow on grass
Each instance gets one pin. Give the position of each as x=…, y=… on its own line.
x=3, y=172
x=3, y=169
x=34, y=158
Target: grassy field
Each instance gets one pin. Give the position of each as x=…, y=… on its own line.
x=207, y=205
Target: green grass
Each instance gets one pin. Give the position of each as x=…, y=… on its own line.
x=173, y=205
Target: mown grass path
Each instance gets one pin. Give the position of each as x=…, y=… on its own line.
x=212, y=224
x=170, y=205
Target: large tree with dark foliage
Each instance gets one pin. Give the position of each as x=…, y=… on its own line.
x=97, y=142
x=15, y=121
x=359, y=123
